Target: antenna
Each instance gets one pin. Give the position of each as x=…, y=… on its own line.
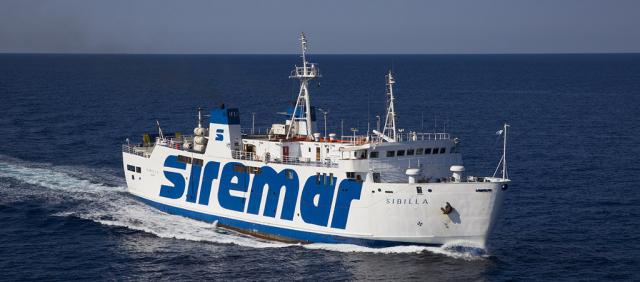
x=504, y=153
x=307, y=72
x=199, y=117
x=159, y=130
x=325, y=121
x=253, y=122
x=390, y=122
x=503, y=160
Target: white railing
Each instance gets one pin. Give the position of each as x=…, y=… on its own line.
x=250, y=156
x=312, y=71
x=255, y=131
x=421, y=136
x=131, y=149
x=400, y=137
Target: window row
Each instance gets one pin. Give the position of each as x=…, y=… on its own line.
x=135, y=169
x=188, y=160
x=412, y=152
x=324, y=179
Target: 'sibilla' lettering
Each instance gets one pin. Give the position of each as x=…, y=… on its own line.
x=316, y=197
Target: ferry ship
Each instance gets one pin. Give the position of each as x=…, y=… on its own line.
x=292, y=183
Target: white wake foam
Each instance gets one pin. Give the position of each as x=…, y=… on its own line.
x=458, y=250
x=103, y=199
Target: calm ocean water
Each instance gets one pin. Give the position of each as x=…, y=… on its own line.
x=572, y=212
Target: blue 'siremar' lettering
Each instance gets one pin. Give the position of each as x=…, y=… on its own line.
x=316, y=199
x=175, y=191
x=274, y=181
x=234, y=178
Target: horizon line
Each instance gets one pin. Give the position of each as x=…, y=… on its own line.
x=321, y=54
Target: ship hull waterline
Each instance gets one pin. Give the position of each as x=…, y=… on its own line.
x=386, y=214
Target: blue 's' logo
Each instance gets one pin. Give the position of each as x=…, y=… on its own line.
x=219, y=136
x=316, y=197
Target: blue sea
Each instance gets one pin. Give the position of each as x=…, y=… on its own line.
x=571, y=213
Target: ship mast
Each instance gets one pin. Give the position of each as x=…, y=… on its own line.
x=390, y=122
x=307, y=72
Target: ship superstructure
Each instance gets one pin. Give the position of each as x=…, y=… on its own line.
x=293, y=183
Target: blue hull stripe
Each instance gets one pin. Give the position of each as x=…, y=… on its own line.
x=271, y=230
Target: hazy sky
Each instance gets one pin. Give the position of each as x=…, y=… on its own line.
x=447, y=26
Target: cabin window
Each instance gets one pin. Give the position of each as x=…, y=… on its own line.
x=289, y=174
x=324, y=179
x=131, y=168
x=435, y=151
x=351, y=175
x=254, y=170
x=419, y=151
x=410, y=152
x=238, y=168
x=373, y=155
x=442, y=150
x=318, y=178
x=184, y=159
x=400, y=153
x=391, y=154
x=427, y=151
x=197, y=162
x=309, y=150
x=138, y=169
x=331, y=179
x=376, y=177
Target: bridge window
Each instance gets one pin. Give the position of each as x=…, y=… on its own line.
x=410, y=152
x=442, y=150
x=419, y=151
x=427, y=151
x=400, y=153
x=391, y=154
x=131, y=168
x=138, y=169
x=351, y=175
x=373, y=155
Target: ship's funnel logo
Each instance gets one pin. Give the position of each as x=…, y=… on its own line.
x=219, y=134
x=241, y=188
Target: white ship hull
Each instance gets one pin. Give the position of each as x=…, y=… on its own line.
x=381, y=214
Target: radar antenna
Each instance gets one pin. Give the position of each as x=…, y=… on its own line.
x=302, y=111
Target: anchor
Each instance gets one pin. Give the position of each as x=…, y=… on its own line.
x=447, y=209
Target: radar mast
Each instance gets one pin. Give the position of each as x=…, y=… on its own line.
x=302, y=111
x=390, y=122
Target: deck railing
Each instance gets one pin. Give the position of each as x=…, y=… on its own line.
x=242, y=155
x=421, y=136
x=131, y=149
